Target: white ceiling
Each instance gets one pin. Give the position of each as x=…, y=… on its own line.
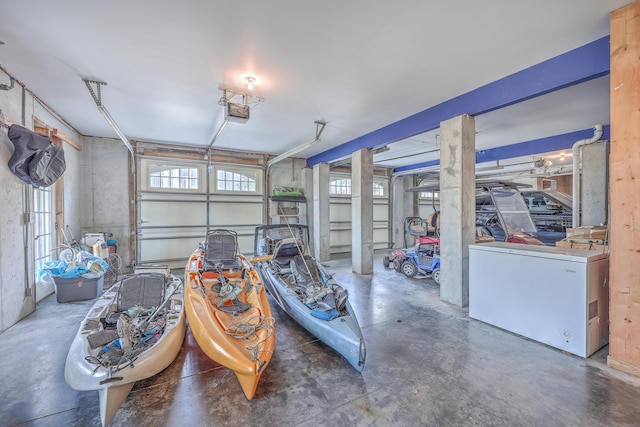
x=359, y=65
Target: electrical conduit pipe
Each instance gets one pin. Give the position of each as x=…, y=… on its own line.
x=577, y=173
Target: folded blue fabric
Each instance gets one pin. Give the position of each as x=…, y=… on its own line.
x=325, y=315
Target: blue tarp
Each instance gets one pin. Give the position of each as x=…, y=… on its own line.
x=83, y=264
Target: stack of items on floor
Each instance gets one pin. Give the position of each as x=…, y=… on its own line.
x=136, y=329
x=77, y=275
x=595, y=238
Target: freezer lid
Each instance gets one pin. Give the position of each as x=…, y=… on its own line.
x=552, y=252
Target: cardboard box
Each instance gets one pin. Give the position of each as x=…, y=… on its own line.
x=77, y=288
x=90, y=238
x=588, y=232
x=574, y=243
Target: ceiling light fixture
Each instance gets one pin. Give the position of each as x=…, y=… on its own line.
x=541, y=163
x=250, y=81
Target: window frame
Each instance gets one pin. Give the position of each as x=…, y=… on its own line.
x=381, y=182
x=146, y=177
x=340, y=177
x=384, y=184
x=241, y=170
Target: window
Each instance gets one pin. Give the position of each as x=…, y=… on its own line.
x=429, y=194
x=235, y=180
x=380, y=186
x=341, y=186
x=378, y=189
x=540, y=202
x=484, y=203
x=163, y=176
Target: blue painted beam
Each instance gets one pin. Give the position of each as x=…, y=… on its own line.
x=577, y=66
x=564, y=141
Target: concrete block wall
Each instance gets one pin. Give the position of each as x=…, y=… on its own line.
x=294, y=173
x=105, y=192
x=288, y=173
x=291, y=173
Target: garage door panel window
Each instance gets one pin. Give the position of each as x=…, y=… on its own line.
x=380, y=187
x=341, y=186
x=173, y=177
x=239, y=181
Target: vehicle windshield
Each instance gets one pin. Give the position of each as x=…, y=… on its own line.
x=514, y=212
x=563, y=198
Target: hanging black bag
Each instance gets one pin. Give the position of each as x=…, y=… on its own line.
x=35, y=160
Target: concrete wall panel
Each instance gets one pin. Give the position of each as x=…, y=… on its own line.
x=105, y=191
x=593, y=187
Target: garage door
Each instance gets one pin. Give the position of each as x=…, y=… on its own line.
x=428, y=202
x=178, y=201
x=340, y=213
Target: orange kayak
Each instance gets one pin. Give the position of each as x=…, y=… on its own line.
x=231, y=318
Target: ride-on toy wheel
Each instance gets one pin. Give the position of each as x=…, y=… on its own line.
x=435, y=275
x=396, y=264
x=386, y=261
x=409, y=269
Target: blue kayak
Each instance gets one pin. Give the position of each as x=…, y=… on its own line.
x=303, y=289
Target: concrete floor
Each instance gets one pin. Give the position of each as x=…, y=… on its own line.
x=428, y=364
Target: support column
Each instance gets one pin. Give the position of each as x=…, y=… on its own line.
x=402, y=207
x=362, y=211
x=593, y=186
x=457, y=205
x=624, y=164
x=321, y=212
x=307, y=176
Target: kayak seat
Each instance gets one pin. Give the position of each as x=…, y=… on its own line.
x=284, y=252
x=141, y=290
x=433, y=223
x=221, y=248
x=282, y=266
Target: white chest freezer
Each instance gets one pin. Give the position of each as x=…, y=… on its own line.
x=557, y=296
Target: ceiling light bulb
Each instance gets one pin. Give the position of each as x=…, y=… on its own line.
x=250, y=81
